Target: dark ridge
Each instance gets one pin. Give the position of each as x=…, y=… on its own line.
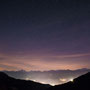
x=2, y=74
x=80, y=83
x=9, y=83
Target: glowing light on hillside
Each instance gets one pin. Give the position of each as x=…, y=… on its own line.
x=27, y=78
x=63, y=79
x=52, y=84
x=34, y=80
x=71, y=79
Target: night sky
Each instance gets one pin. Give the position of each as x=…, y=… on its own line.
x=44, y=34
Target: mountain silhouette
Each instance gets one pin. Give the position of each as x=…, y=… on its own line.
x=50, y=77
x=9, y=83
x=80, y=83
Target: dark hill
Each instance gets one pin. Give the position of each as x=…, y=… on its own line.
x=8, y=83
x=80, y=83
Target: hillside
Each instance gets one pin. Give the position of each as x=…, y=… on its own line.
x=8, y=83
x=49, y=77
x=80, y=83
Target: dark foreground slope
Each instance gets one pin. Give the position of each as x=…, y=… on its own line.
x=8, y=83
x=80, y=83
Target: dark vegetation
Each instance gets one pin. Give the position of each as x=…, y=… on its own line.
x=80, y=83
x=9, y=83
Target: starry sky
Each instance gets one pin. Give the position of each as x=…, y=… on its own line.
x=44, y=34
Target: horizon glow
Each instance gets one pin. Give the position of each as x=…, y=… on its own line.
x=44, y=35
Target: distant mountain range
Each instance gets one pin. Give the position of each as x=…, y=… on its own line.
x=9, y=83
x=52, y=77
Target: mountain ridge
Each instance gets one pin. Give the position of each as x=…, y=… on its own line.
x=9, y=83
x=48, y=77
x=80, y=83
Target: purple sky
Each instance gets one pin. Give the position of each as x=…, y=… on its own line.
x=44, y=34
